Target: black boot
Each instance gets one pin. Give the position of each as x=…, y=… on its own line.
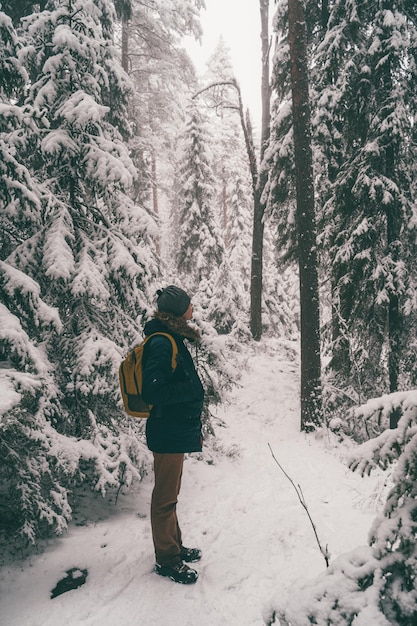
x=179, y=573
x=190, y=555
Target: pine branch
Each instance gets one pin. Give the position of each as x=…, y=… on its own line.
x=301, y=498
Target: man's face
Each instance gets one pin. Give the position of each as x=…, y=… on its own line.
x=189, y=312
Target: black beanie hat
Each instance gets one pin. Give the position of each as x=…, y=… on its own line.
x=173, y=300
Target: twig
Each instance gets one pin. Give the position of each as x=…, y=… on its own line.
x=300, y=495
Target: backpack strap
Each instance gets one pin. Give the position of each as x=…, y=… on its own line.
x=173, y=343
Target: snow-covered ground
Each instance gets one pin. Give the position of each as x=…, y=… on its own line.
x=235, y=504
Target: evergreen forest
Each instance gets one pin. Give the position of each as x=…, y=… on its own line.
x=122, y=170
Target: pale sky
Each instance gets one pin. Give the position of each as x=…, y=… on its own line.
x=239, y=23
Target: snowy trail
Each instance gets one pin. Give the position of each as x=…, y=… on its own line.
x=256, y=539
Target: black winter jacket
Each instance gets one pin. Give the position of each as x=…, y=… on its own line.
x=174, y=424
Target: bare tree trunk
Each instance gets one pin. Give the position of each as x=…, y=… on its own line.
x=259, y=206
x=311, y=405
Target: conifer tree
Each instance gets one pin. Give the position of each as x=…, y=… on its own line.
x=200, y=245
x=76, y=279
x=366, y=71
x=163, y=76
x=238, y=238
x=362, y=75
x=203, y=262
x=26, y=320
x=281, y=305
x=374, y=584
x=238, y=233
x=233, y=196
x=290, y=187
x=311, y=402
x=224, y=125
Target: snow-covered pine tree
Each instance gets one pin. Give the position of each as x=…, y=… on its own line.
x=281, y=300
x=365, y=73
x=239, y=244
x=233, y=194
x=281, y=297
x=364, y=170
x=203, y=262
x=289, y=190
x=238, y=233
x=161, y=73
x=200, y=255
x=200, y=248
x=374, y=584
x=20, y=204
x=77, y=280
x=28, y=388
x=220, y=101
x=279, y=155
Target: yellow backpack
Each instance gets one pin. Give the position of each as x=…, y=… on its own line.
x=130, y=377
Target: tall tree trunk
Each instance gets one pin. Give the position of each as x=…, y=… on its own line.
x=311, y=405
x=324, y=13
x=125, y=45
x=224, y=206
x=395, y=325
x=256, y=268
x=155, y=201
x=259, y=206
x=393, y=226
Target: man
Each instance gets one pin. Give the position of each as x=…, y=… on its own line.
x=173, y=427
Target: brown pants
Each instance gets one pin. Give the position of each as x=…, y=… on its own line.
x=166, y=532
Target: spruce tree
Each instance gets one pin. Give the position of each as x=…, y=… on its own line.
x=163, y=77
x=200, y=245
x=224, y=125
x=30, y=496
x=281, y=305
x=238, y=238
x=289, y=159
x=233, y=194
x=365, y=75
x=279, y=156
x=374, y=584
x=362, y=74
x=203, y=262
x=75, y=283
